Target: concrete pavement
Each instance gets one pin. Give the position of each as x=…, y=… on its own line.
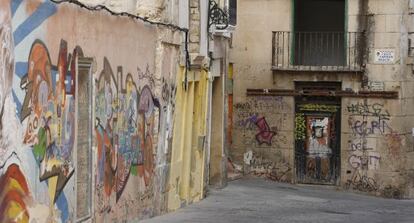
x=258, y=200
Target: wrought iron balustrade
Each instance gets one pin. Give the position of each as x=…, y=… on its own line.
x=217, y=16
x=317, y=51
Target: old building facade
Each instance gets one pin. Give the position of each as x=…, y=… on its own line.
x=323, y=93
x=111, y=111
x=120, y=110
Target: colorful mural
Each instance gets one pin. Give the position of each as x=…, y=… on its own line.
x=38, y=98
x=14, y=190
x=125, y=124
x=49, y=108
x=14, y=193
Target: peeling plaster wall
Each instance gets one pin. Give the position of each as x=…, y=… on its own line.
x=154, y=10
x=376, y=141
x=388, y=26
x=187, y=175
x=115, y=5
x=272, y=155
x=133, y=87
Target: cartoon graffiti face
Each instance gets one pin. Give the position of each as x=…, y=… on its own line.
x=38, y=85
x=39, y=75
x=318, y=140
x=318, y=127
x=318, y=131
x=48, y=113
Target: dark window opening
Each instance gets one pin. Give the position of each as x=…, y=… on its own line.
x=233, y=12
x=319, y=37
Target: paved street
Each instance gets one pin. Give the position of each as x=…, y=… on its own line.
x=258, y=200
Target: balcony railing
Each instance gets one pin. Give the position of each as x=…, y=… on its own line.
x=317, y=51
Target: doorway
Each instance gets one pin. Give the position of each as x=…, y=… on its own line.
x=216, y=172
x=317, y=135
x=319, y=32
x=84, y=141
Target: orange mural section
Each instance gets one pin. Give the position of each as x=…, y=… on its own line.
x=13, y=194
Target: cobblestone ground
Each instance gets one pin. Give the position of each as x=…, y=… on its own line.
x=258, y=200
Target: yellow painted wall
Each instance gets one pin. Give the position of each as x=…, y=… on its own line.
x=188, y=155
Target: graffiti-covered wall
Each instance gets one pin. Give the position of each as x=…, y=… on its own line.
x=86, y=114
x=374, y=147
x=356, y=143
x=262, y=128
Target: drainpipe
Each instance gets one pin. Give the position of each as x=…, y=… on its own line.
x=208, y=132
x=364, y=23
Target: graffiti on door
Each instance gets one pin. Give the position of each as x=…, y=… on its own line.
x=316, y=136
x=318, y=147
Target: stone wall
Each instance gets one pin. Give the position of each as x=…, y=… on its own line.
x=376, y=141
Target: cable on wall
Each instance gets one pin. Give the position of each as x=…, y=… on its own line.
x=143, y=19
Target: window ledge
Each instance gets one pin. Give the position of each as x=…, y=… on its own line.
x=329, y=69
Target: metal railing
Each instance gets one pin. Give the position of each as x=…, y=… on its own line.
x=319, y=51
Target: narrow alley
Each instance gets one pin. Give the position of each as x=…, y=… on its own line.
x=259, y=200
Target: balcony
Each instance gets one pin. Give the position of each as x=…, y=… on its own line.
x=317, y=51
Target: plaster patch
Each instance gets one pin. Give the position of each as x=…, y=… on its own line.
x=248, y=157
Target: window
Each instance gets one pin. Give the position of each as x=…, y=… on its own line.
x=232, y=12
x=319, y=32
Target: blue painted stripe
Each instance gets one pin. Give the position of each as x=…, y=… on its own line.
x=15, y=5
x=21, y=69
x=18, y=104
x=44, y=11
x=69, y=82
x=62, y=204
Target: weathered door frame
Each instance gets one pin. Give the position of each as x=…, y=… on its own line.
x=300, y=155
x=84, y=67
